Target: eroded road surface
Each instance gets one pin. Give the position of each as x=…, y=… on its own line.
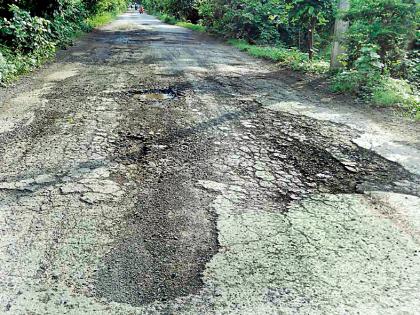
x=153, y=170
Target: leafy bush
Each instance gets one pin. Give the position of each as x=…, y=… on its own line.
x=387, y=24
x=68, y=22
x=13, y=63
x=7, y=69
x=27, y=42
x=348, y=81
x=44, y=8
x=211, y=14
x=363, y=77
x=191, y=26
x=27, y=33
x=395, y=92
x=262, y=22
x=409, y=68
x=101, y=6
x=100, y=19
x=180, y=9
x=367, y=81
x=252, y=20
x=24, y=32
x=167, y=18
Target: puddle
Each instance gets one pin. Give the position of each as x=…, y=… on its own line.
x=155, y=97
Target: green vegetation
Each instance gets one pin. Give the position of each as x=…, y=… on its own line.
x=289, y=57
x=31, y=33
x=381, y=63
x=100, y=19
x=169, y=19
x=391, y=92
x=382, y=59
x=192, y=26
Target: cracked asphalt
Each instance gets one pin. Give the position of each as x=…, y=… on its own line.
x=153, y=170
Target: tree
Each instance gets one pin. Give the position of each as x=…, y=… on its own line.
x=340, y=29
x=36, y=8
x=389, y=25
x=307, y=15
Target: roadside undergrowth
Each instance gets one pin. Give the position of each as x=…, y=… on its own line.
x=100, y=19
x=287, y=57
x=169, y=19
x=27, y=42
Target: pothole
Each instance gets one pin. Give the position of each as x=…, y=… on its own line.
x=132, y=148
x=136, y=147
x=154, y=97
x=155, y=94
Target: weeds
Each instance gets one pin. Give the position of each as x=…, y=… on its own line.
x=100, y=19
x=288, y=57
x=191, y=26
x=169, y=19
x=394, y=92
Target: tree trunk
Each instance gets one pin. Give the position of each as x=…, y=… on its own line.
x=311, y=38
x=382, y=55
x=299, y=40
x=340, y=29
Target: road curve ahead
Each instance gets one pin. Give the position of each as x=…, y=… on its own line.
x=153, y=170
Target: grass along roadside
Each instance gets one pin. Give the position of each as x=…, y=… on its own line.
x=174, y=21
x=101, y=19
x=397, y=93
x=191, y=26
x=287, y=57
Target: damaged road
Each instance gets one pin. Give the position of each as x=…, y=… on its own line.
x=153, y=170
